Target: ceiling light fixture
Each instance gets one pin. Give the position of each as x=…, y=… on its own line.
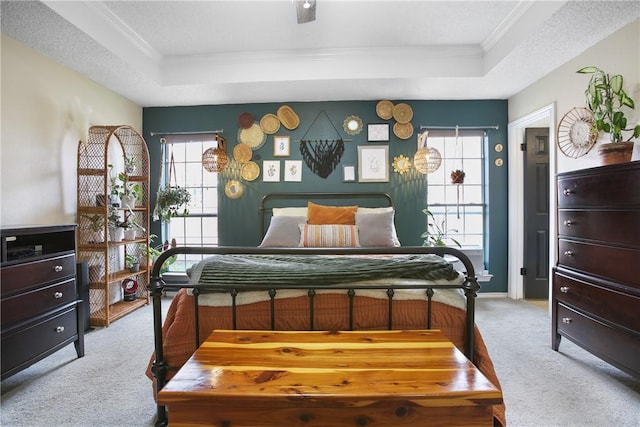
x=306, y=11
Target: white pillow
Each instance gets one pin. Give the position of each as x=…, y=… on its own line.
x=302, y=211
x=283, y=231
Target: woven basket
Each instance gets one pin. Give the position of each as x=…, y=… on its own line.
x=384, y=109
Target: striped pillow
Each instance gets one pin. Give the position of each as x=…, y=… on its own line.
x=328, y=236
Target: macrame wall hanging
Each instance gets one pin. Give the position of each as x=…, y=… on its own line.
x=322, y=156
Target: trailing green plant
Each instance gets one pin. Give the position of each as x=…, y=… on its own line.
x=113, y=218
x=131, y=260
x=96, y=221
x=155, y=251
x=128, y=188
x=172, y=201
x=436, y=233
x=605, y=98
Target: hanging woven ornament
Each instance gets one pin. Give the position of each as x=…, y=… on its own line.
x=426, y=160
x=322, y=155
x=457, y=175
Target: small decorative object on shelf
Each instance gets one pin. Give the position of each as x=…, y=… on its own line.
x=605, y=97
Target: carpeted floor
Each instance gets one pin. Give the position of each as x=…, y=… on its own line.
x=541, y=387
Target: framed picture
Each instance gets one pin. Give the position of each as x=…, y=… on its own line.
x=281, y=146
x=349, y=173
x=293, y=170
x=378, y=132
x=271, y=170
x=373, y=163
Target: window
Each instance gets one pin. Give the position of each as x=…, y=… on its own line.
x=460, y=206
x=200, y=227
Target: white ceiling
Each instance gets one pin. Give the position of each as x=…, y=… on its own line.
x=168, y=53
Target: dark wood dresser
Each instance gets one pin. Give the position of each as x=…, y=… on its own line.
x=596, y=283
x=39, y=296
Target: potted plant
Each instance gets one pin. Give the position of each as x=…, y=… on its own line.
x=435, y=234
x=96, y=226
x=606, y=99
x=130, y=163
x=130, y=229
x=133, y=263
x=129, y=192
x=172, y=201
x=116, y=231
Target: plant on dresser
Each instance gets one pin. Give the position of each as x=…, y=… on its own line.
x=607, y=99
x=596, y=283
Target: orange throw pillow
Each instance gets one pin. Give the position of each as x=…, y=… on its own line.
x=320, y=214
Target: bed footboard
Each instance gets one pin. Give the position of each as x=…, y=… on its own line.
x=157, y=286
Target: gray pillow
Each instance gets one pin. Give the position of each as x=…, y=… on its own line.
x=376, y=229
x=283, y=231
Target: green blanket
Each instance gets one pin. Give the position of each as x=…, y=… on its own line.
x=316, y=270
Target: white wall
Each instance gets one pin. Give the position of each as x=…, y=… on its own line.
x=46, y=109
x=617, y=54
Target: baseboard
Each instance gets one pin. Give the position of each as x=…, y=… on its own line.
x=492, y=295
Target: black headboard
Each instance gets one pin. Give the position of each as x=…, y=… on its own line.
x=294, y=199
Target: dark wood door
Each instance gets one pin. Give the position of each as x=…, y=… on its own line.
x=536, y=214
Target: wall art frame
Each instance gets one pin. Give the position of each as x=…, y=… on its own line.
x=378, y=132
x=271, y=171
x=373, y=163
x=293, y=170
x=349, y=173
x=281, y=146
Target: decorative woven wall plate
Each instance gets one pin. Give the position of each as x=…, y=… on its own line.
x=234, y=189
x=245, y=120
x=270, y=124
x=250, y=171
x=384, y=109
x=403, y=130
x=253, y=136
x=577, y=133
x=402, y=113
x=242, y=153
x=288, y=117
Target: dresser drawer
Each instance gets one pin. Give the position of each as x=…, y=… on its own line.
x=25, y=305
x=622, y=227
x=611, y=187
x=43, y=336
x=619, y=308
x=613, y=345
x=18, y=278
x=617, y=264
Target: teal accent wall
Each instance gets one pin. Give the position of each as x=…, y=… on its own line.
x=239, y=222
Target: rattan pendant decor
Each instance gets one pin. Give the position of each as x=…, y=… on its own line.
x=457, y=175
x=426, y=160
x=215, y=159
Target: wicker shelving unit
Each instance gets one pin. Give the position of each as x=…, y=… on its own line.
x=106, y=259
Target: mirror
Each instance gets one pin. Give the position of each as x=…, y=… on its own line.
x=352, y=125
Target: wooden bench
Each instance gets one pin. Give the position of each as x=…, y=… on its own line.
x=290, y=378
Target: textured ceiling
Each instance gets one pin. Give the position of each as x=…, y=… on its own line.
x=166, y=53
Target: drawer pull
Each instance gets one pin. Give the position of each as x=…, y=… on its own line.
x=566, y=320
x=59, y=329
x=567, y=192
x=57, y=268
x=568, y=253
x=564, y=289
x=57, y=295
x=568, y=223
